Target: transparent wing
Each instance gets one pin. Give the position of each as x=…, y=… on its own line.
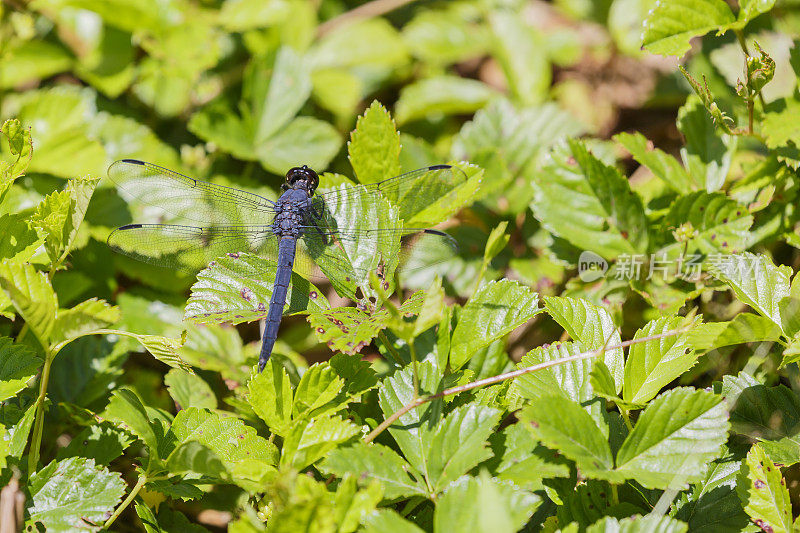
x=412, y=192
x=187, y=198
x=352, y=252
x=190, y=248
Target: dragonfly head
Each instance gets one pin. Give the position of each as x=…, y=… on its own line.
x=301, y=178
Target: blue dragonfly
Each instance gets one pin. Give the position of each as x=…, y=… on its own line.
x=345, y=232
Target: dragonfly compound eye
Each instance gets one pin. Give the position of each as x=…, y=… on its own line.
x=298, y=173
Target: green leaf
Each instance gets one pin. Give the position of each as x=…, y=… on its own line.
x=74, y=494
x=164, y=349
x=720, y=224
x=445, y=36
x=101, y=442
x=347, y=329
x=374, y=147
x=458, y=443
x=318, y=386
x=249, y=458
x=671, y=25
x=789, y=307
x=744, y=328
x=652, y=364
x=50, y=218
x=433, y=202
x=127, y=411
x=289, y=88
x=20, y=146
x=707, y=155
x=372, y=44
x=385, y=519
x=271, y=397
x=33, y=297
x=569, y=379
x=778, y=127
x=32, y=61
x=674, y=439
x=21, y=241
x=375, y=461
x=712, y=505
x=588, y=203
x=593, y=327
x=520, y=49
x=18, y=365
x=83, y=318
x=306, y=139
x=565, y=426
x=311, y=439
x=193, y=457
x=749, y=9
x=441, y=95
x=763, y=492
x=59, y=118
x=238, y=288
x=663, y=166
x=519, y=463
x=652, y=523
x=484, y=505
x=496, y=309
x=755, y=281
x=20, y=431
x=189, y=390
x=352, y=505
x=338, y=91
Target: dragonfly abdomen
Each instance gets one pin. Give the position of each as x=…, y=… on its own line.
x=286, y=252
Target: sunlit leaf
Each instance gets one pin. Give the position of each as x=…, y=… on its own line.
x=442, y=95
x=763, y=492
x=374, y=148
x=32, y=295
x=18, y=364
x=671, y=25
x=189, y=390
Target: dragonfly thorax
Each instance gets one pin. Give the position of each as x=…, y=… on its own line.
x=302, y=178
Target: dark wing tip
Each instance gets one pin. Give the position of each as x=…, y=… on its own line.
x=439, y=167
x=132, y=161
x=129, y=226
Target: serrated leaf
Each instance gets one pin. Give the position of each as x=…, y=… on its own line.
x=313, y=438
x=763, y=492
x=744, y=328
x=21, y=148
x=375, y=461
x=720, y=224
x=193, y=457
x=749, y=9
x=755, y=281
x=271, y=397
x=374, y=147
x=74, y=494
x=33, y=297
x=519, y=463
x=127, y=411
x=18, y=365
x=484, y=505
x=564, y=425
x=654, y=363
x=570, y=379
x=50, y=218
x=289, y=88
x=347, y=329
x=671, y=25
x=458, y=444
x=238, y=289
x=496, y=309
x=590, y=204
x=522, y=54
x=318, y=386
x=189, y=390
x=662, y=165
x=83, y=318
x=430, y=205
x=592, y=326
x=101, y=442
x=674, y=439
x=247, y=457
x=778, y=127
x=441, y=95
x=164, y=349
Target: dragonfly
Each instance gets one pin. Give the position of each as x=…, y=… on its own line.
x=355, y=229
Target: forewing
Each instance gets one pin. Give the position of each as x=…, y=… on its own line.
x=185, y=198
x=190, y=248
x=414, y=192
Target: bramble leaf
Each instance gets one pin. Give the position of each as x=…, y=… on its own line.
x=374, y=147
x=74, y=494
x=189, y=390
x=18, y=364
x=448, y=95
x=671, y=25
x=33, y=297
x=763, y=492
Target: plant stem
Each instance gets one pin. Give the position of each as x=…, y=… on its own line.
x=136, y=488
x=390, y=348
x=750, y=112
x=510, y=375
x=414, y=373
x=625, y=417
x=38, y=427
x=614, y=494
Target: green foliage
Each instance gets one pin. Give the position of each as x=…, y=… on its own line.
x=612, y=346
